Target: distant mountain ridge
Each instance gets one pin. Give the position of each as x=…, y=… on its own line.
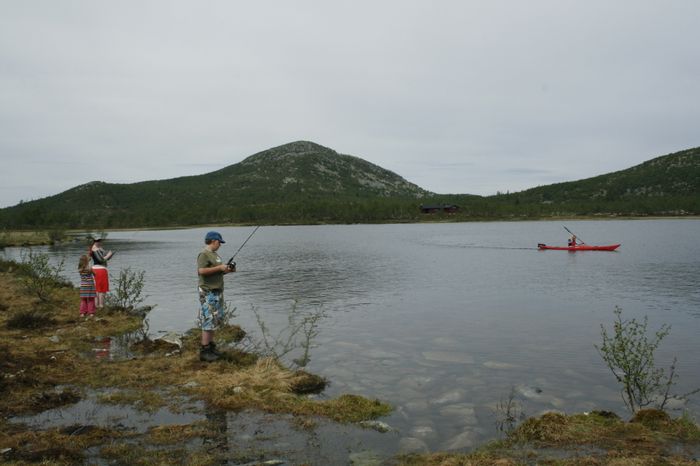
x=303, y=182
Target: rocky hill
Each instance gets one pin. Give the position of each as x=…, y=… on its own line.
x=294, y=177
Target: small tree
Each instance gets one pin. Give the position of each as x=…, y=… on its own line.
x=629, y=354
x=508, y=412
x=299, y=333
x=128, y=290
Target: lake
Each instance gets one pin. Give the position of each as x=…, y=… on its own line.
x=443, y=321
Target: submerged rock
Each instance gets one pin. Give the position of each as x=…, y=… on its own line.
x=533, y=393
x=379, y=426
x=424, y=432
x=499, y=365
x=464, y=412
x=412, y=445
x=451, y=396
x=449, y=356
x=461, y=441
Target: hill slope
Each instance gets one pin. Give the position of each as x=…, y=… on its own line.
x=673, y=175
x=296, y=174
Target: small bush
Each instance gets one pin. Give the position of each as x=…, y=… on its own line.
x=128, y=290
x=39, y=277
x=30, y=319
x=301, y=330
x=629, y=354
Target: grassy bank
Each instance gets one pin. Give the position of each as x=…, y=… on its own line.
x=650, y=438
x=24, y=238
x=53, y=358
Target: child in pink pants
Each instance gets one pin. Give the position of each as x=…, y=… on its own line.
x=87, y=287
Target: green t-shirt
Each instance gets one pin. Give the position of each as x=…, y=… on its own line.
x=215, y=281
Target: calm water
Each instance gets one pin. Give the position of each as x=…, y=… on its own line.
x=441, y=320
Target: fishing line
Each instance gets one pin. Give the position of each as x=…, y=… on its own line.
x=244, y=242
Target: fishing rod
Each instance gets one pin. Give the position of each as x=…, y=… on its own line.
x=231, y=264
x=574, y=234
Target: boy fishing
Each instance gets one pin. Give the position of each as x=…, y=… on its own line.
x=211, y=271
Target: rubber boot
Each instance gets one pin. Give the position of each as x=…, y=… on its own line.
x=206, y=355
x=212, y=348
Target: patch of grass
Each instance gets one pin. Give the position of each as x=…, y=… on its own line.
x=149, y=401
x=352, y=408
x=305, y=382
x=177, y=434
x=52, y=446
x=137, y=455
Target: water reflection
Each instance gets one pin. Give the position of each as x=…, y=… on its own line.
x=91, y=412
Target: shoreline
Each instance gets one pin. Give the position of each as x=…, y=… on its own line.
x=43, y=237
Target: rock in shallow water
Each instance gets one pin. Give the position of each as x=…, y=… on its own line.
x=376, y=425
x=412, y=445
x=464, y=412
x=462, y=441
x=499, y=365
x=423, y=432
x=449, y=356
x=451, y=396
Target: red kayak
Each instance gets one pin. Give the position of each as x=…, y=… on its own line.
x=579, y=247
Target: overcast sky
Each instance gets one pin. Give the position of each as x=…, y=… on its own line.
x=455, y=96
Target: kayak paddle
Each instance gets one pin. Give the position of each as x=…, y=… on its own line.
x=574, y=234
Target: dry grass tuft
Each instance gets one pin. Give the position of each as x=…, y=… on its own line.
x=304, y=382
x=177, y=434
x=653, y=419
x=550, y=428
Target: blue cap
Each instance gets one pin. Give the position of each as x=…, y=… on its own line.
x=214, y=235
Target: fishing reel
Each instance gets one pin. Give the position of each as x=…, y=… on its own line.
x=231, y=265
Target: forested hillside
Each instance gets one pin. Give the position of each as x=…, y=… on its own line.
x=667, y=185
x=303, y=182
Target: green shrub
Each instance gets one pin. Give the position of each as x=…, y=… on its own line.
x=629, y=354
x=39, y=277
x=128, y=292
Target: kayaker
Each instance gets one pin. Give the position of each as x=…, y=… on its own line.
x=572, y=241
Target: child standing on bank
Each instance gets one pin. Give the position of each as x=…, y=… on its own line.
x=99, y=259
x=87, y=287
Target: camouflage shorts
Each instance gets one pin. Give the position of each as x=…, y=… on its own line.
x=211, y=309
